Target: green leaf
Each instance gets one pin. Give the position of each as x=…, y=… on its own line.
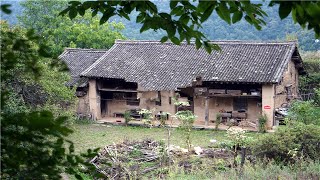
x=177, y=11
x=5, y=8
x=173, y=4
x=145, y=26
x=73, y=13
x=152, y=7
x=206, y=14
x=207, y=47
x=123, y=14
x=94, y=13
x=106, y=15
x=248, y=19
x=224, y=12
x=198, y=43
x=184, y=19
x=140, y=17
x=164, y=39
x=175, y=40
x=81, y=11
x=284, y=9
x=171, y=29
x=237, y=16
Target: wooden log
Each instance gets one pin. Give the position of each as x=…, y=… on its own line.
x=234, y=92
x=206, y=111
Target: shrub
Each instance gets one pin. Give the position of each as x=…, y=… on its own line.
x=289, y=143
x=127, y=117
x=186, y=119
x=218, y=121
x=304, y=111
x=262, y=123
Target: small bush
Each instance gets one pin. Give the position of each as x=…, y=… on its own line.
x=127, y=117
x=305, y=111
x=262, y=123
x=289, y=143
x=218, y=121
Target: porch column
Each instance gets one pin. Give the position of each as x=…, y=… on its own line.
x=94, y=99
x=268, y=103
x=206, y=111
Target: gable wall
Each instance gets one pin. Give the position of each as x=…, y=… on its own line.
x=290, y=76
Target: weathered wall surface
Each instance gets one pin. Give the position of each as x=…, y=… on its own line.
x=268, y=103
x=147, y=101
x=83, y=105
x=254, y=109
x=217, y=104
x=289, y=79
x=94, y=99
x=117, y=106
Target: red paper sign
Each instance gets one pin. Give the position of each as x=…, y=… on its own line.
x=266, y=107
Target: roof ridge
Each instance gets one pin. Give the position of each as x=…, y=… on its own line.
x=253, y=42
x=84, y=49
x=282, y=66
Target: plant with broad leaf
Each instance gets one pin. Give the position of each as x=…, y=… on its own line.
x=238, y=139
x=186, y=119
x=147, y=116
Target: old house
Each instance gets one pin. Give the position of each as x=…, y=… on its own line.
x=241, y=82
x=77, y=61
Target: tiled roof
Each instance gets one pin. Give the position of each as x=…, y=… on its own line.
x=77, y=61
x=165, y=66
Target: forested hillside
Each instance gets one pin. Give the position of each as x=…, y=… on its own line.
x=217, y=29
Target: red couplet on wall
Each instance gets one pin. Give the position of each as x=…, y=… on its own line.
x=266, y=107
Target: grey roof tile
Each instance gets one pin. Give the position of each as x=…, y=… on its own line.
x=165, y=66
x=77, y=61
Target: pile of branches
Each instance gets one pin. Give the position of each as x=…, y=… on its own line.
x=134, y=159
x=129, y=159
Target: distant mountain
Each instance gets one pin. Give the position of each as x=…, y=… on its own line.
x=215, y=28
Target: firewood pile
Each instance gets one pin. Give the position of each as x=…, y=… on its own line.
x=128, y=159
x=131, y=159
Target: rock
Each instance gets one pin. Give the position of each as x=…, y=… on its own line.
x=213, y=141
x=198, y=150
x=177, y=149
x=184, y=150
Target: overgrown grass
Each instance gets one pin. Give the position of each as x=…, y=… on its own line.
x=92, y=136
x=87, y=136
x=304, y=170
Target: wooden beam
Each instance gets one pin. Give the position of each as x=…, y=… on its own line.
x=206, y=111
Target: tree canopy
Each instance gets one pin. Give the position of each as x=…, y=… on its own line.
x=185, y=18
x=61, y=32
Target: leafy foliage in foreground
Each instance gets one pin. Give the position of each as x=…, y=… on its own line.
x=33, y=143
x=185, y=18
x=183, y=21
x=34, y=80
x=289, y=143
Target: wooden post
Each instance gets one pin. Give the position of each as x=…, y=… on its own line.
x=206, y=111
